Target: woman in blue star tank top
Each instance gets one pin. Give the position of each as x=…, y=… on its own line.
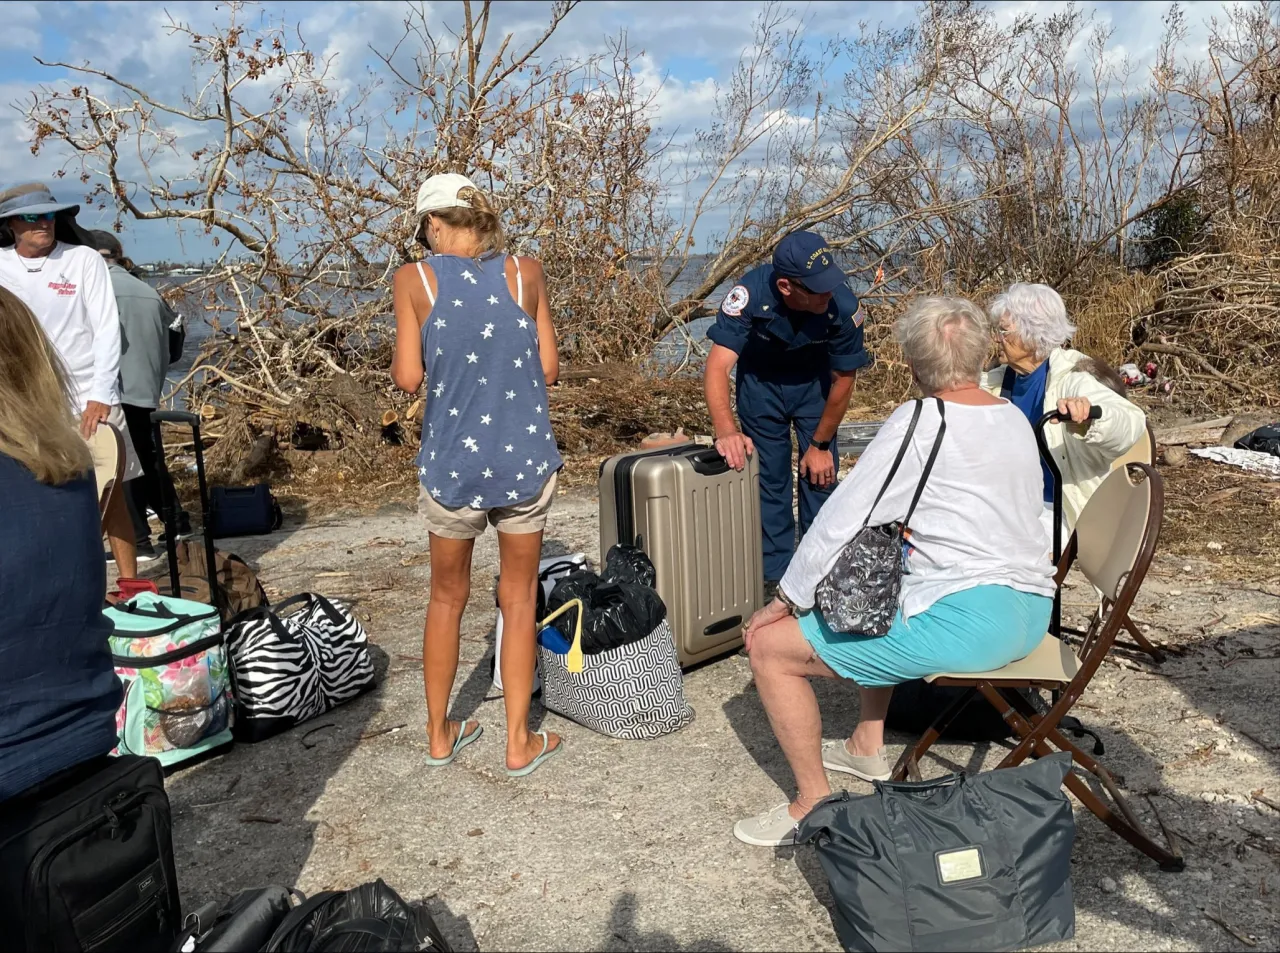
x=475, y=324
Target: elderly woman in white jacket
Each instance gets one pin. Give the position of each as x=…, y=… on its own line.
x=1040, y=375
x=977, y=588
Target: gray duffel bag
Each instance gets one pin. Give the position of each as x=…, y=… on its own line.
x=959, y=863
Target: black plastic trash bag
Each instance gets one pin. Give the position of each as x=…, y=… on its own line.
x=1263, y=440
x=628, y=564
x=614, y=613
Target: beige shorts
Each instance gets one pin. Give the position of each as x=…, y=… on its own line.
x=132, y=466
x=467, y=523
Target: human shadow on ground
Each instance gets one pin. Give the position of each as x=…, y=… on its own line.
x=244, y=819
x=456, y=930
x=623, y=937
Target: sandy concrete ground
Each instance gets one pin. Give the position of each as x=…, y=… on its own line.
x=628, y=846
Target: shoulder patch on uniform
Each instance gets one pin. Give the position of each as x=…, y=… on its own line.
x=735, y=300
x=859, y=316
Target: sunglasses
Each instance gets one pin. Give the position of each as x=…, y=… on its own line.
x=41, y=217
x=801, y=286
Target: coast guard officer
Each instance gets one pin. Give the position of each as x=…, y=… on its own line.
x=794, y=330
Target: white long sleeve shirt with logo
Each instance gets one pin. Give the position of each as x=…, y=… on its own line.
x=71, y=297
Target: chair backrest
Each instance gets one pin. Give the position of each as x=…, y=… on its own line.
x=1144, y=451
x=1116, y=534
x=107, y=447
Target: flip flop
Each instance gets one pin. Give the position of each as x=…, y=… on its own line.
x=464, y=739
x=533, y=765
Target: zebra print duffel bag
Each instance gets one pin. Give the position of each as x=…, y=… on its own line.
x=289, y=666
x=634, y=691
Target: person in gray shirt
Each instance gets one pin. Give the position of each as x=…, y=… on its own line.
x=147, y=327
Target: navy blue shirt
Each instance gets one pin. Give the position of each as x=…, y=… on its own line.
x=772, y=341
x=1028, y=396
x=58, y=689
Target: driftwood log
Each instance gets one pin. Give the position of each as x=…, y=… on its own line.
x=259, y=453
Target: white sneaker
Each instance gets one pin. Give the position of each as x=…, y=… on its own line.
x=775, y=828
x=837, y=757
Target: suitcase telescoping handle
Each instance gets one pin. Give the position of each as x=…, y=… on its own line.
x=170, y=505
x=1053, y=417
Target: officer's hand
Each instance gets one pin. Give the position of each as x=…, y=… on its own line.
x=818, y=466
x=735, y=448
x=1077, y=408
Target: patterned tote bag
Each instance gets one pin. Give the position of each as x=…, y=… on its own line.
x=290, y=666
x=634, y=691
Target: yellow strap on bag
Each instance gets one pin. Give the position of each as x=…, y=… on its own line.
x=573, y=661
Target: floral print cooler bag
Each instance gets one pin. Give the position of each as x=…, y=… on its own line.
x=172, y=659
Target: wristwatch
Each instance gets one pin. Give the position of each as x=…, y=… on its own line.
x=821, y=444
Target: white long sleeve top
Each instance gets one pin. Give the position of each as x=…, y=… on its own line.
x=977, y=522
x=71, y=297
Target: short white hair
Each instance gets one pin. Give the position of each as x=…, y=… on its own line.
x=1036, y=313
x=945, y=340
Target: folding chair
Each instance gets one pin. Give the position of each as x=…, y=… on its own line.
x=1144, y=451
x=1114, y=541
x=107, y=447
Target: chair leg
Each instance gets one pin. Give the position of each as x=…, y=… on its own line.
x=1038, y=736
x=1142, y=641
x=908, y=766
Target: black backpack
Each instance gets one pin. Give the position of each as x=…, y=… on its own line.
x=372, y=918
x=86, y=861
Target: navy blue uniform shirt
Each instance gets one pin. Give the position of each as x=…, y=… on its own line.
x=775, y=343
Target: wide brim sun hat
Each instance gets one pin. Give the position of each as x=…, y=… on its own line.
x=32, y=198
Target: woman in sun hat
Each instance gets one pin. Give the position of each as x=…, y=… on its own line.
x=475, y=324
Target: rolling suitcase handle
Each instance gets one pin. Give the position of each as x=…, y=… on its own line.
x=1053, y=417
x=170, y=516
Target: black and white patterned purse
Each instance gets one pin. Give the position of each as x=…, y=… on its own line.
x=860, y=594
x=634, y=691
x=290, y=666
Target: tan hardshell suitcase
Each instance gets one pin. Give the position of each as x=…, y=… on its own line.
x=699, y=522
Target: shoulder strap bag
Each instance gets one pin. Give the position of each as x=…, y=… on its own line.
x=860, y=594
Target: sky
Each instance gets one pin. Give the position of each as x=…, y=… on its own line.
x=688, y=49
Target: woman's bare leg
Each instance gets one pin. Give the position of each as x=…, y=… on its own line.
x=782, y=662
x=518, y=555
x=868, y=737
x=450, y=589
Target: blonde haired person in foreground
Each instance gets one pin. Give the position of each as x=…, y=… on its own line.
x=976, y=592
x=58, y=690
x=1040, y=375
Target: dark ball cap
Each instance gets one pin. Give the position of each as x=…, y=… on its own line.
x=806, y=257
x=106, y=243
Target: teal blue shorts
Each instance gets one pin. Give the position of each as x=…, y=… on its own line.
x=975, y=630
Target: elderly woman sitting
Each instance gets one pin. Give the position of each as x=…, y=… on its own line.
x=976, y=592
x=1040, y=375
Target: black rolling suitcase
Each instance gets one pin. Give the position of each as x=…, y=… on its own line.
x=200, y=572
x=86, y=861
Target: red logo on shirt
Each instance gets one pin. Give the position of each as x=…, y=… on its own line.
x=65, y=289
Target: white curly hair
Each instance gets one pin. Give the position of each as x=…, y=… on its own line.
x=1036, y=314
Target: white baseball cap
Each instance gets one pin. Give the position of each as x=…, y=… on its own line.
x=445, y=190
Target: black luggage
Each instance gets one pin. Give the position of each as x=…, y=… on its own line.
x=244, y=511
x=959, y=863
x=372, y=918
x=199, y=571
x=247, y=922
x=86, y=861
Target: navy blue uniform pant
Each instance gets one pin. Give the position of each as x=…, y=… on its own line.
x=768, y=411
